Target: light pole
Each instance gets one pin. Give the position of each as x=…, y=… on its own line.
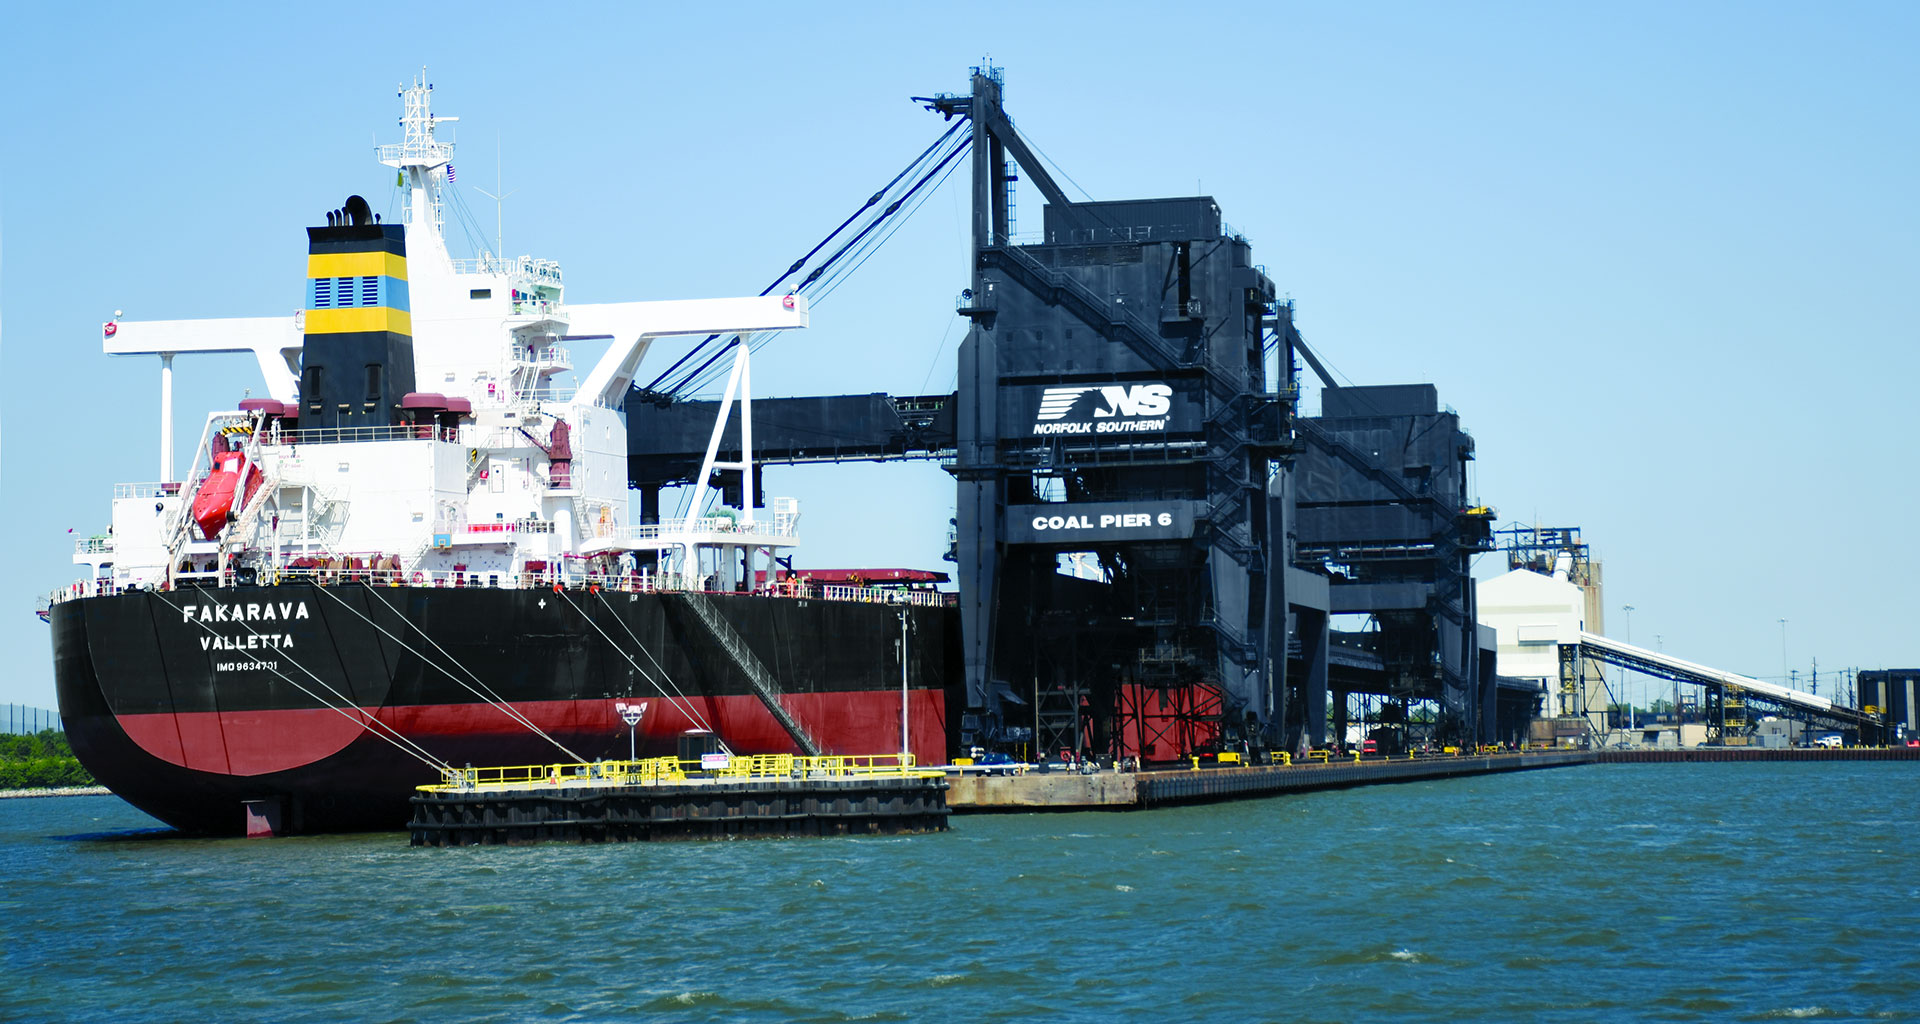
x=630, y=714
x=1660, y=644
x=1785, y=674
x=904, y=748
x=1623, y=672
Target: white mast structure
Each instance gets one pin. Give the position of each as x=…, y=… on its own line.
x=424, y=160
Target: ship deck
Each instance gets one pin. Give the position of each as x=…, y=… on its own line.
x=630, y=583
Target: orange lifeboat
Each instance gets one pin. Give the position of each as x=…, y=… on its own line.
x=216, y=498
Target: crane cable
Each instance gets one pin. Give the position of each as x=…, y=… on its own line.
x=700, y=376
x=840, y=275
x=656, y=664
x=797, y=264
x=707, y=372
x=833, y=281
x=684, y=705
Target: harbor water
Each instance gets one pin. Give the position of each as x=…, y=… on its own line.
x=1603, y=892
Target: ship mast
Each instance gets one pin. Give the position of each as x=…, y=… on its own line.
x=423, y=161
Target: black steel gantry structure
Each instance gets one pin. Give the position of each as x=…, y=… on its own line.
x=1114, y=402
x=1114, y=411
x=1383, y=501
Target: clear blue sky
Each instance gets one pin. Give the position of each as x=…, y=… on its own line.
x=1661, y=257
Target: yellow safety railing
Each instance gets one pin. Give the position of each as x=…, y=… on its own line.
x=738, y=767
x=860, y=764
x=753, y=765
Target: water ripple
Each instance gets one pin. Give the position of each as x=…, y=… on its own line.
x=1658, y=892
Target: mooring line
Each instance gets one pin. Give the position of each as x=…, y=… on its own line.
x=478, y=688
x=683, y=703
x=406, y=744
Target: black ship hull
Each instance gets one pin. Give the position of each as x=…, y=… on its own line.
x=192, y=703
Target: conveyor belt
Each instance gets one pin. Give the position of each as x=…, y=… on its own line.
x=1666, y=666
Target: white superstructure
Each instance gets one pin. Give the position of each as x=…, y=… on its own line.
x=502, y=475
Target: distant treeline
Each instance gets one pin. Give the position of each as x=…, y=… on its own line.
x=40, y=760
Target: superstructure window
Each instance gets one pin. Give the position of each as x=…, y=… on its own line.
x=373, y=382
x=480, y=293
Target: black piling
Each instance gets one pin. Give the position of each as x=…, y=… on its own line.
x=694, y=809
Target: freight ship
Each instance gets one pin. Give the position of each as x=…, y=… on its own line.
x=415, y=553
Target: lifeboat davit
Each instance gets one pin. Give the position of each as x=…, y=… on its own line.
x=215, y=500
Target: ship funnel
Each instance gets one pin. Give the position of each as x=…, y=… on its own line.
x=356, y=362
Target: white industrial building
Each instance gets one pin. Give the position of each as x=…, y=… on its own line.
x=1533, y=614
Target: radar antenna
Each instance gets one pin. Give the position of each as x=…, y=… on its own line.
x=425, y=162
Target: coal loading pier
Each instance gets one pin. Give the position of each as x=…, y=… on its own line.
x=1149, y=539
x=1122, y=791
x=660, y=799
x=1126, y=791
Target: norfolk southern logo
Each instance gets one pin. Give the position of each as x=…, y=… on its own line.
x=1103, y=409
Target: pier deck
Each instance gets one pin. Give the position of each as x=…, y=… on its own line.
x=1702, y=754
x=1069, y=791
x=1065, y=790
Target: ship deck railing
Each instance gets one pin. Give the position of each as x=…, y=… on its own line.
x=672, y=770
x=149, y=489
x=474, y=579
x=780, y=531
x=103, y=586
x=353, y=435
x=524, y=268
x=552, y=357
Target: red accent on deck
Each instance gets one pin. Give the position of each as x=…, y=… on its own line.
x=859, y=576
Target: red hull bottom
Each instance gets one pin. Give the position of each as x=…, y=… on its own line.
x=263, y=742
